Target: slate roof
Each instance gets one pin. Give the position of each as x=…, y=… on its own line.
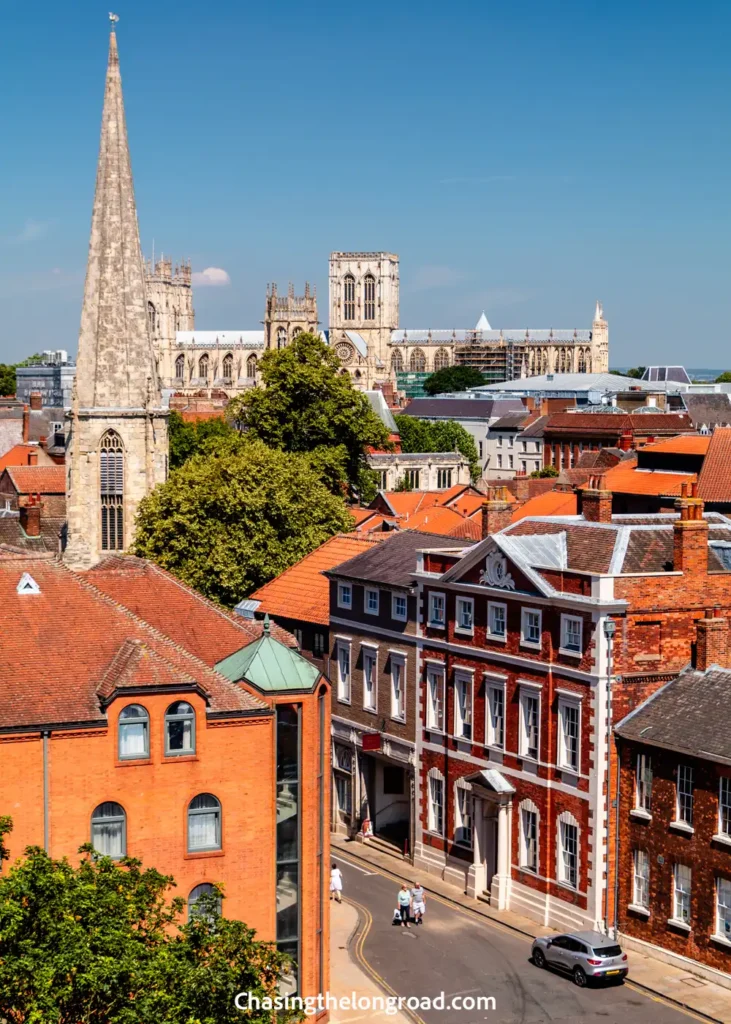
x=393, y=561
x=302, y=592
x=12, y=535
x=683, y=716
x=714, y=482
x=536, y=428
x=38, y=479
x=708, y=410
x=512, y=421
x=462, y=408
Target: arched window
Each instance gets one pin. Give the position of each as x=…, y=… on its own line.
x=203, y=367
x=417, y=362
x=152, y=318
x=369, y=296
x=397, y=361
x=109, y=830
x=582, y=361
x=349, y=297
x=251, y=366
x=176, y=320
x=180, y=368
x=296, y=331
x=111, y=486
x=180, y=729
x=441, y=359
x=134, y=732
x=204, y=823
x=228, y=367
x=211, y=909
x=281, y=337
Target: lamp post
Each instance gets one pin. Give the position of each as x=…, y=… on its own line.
x=610, y=628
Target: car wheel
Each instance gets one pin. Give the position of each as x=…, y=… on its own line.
x=579, y=977
x=538, y=958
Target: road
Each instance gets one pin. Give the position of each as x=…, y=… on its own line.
x=458, y=954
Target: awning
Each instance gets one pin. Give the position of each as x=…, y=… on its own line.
x=492, y=780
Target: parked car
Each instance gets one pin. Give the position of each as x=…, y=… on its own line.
x=584, y=955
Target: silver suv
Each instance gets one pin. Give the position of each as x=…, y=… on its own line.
x=583, y=955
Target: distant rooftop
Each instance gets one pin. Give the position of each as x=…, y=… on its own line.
x=666, y=373
x=607, y=383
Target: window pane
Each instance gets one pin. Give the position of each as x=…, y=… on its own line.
x=287, y=743
x=287, y=903
x=287, y=821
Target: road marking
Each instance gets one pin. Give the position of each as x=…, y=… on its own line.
x=336, y=856
x=475, y=917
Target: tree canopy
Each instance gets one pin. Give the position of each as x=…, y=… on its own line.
x=306, y=404
x=453, y=378
x=634, y=371
x=7, y=374
x=236, y=515
x=103, y=942
x=187, y=439
x=724, y=378
x=438, y=436
x=545, y=471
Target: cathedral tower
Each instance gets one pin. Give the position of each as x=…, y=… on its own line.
x=169, y=310
x=364, y=309
x=118, y=444
x=287, y=315
x=599, y=341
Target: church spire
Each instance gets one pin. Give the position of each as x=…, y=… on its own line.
x=115, y=364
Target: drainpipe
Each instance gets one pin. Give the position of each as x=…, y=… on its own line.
x=45, y=735
x=610, y=628
x=616, y=844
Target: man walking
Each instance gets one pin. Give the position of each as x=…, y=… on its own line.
x=336, y=883
x=418, y=904
x=404, y=904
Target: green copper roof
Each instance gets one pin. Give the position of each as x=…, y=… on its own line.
x=269, y=665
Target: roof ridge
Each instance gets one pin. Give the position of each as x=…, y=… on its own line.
x=357, y=539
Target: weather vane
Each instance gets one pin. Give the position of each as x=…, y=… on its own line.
x=114, y=18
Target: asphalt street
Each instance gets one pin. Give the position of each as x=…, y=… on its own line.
x=454, y=953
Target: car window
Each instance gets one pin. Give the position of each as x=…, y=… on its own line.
x=581, y=948
x=608, y=951
x=574, y=946
x=560, y=941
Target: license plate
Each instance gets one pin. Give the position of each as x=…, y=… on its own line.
x=612, y=972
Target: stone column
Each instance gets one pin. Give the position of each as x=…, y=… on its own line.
x=476, y=877
x=501, y=882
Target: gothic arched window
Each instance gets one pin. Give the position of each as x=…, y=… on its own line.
x=251, y=366
x=441, y=359
x=582, y=360
x=417, y=362
x=296, y=331
x=349, y=297
x=111, y=487
x=180, y=367
x=203, y=368
x=369, y=306
x=397, y=361
x=281, y=337
x=228, y=367
x=176, y=320
x=152, y=317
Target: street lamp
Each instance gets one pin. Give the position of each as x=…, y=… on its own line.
x=610, y=629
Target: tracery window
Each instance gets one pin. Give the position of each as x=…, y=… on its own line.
x=228, y=366
x=397, y=361
x=417, y=362
x=441, y=359
x=152, y=318
x=111, y=487
x=349, y=297
x=203, y=367
x=281, y=337
x=369, y=289
x=180, y=367
x=251, y=366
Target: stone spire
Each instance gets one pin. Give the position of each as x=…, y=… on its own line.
x=116, y=363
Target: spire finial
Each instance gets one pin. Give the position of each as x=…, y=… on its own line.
x=266, y=624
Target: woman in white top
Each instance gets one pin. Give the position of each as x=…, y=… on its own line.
x=336, y=883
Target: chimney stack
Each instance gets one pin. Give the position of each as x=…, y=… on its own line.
x=521, y=487
x=33, y=458
x=596, y=501
x=26, y=424
x=690, y=533
x=30, y=515
x=36, y=400
x=625, y=441
x=497, y=511
x=711, y=647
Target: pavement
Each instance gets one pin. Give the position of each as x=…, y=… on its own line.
x=465, y=945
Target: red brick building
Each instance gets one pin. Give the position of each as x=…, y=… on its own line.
x=566, y=435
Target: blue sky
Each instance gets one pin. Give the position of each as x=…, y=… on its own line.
x=525, y=158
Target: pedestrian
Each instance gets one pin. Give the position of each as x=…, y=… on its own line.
x=404, y=904
x=418, y=897
x=336, y=883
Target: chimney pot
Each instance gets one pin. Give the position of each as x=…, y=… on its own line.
x=32, y=458
x=36, y=400
x=711, y=647
x=596, y=501
x=30, y=516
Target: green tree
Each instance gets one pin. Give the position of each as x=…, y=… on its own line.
x=635, y=371
x=187, y=439
x=306, y=404
x=439, y=436
x=103, y=942
x=453, y=378
x=237, y=515
x=7, y=374
x=724, y=378
x=546, y=471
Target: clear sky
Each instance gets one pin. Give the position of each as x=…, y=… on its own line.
x=526, y=158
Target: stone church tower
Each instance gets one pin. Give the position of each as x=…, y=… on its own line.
x=364, y=309
x=599, y=341
x=169, y=309
x=287, y=315
x=118, y=443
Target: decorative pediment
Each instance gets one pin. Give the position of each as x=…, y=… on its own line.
x=495, y=573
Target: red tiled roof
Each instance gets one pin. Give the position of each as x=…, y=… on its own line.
x=373, y=523
x=405, y=503
x=714, y=482
x=626, y=478
x=438, y=519
x=19, y=454
x=302, y=592
x=616, y=424
x=52, y=677
x=38, y=479
x=684, y=444
x=552, y=503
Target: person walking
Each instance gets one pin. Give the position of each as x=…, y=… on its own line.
x=404, y=904
x=336, y=883
x=418, y=904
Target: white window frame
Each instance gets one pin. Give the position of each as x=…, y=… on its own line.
x=394, y=613
x=684, y=784
x=682, y=894
x=493, y=606
x=343, y=589
x=435, y=784
x=494, y=697
x=566, y=706
x=468, y=603
x=565, y=620
x=528, y=851
x=371, y=653
x=368, y=592
x=435, y=680
x=437, y=623
x=724, y=807
x=723, y=910
x=564, y=822
x=525, y=640
x=643, y=785
x=463, y=813
x=529, y=694
x=462, y=677
x=640, y=879
x=499, y=461
x=344, y=684
x=398, y=659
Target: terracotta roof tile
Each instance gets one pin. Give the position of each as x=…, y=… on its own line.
x=18, y=456
x=38, y=479
x=628, y=479
x=552, y=503
x=405, y=503
x=683, y=444
x=302, y=592
x=436, y=519
x=714, y=482
x=614, y=423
